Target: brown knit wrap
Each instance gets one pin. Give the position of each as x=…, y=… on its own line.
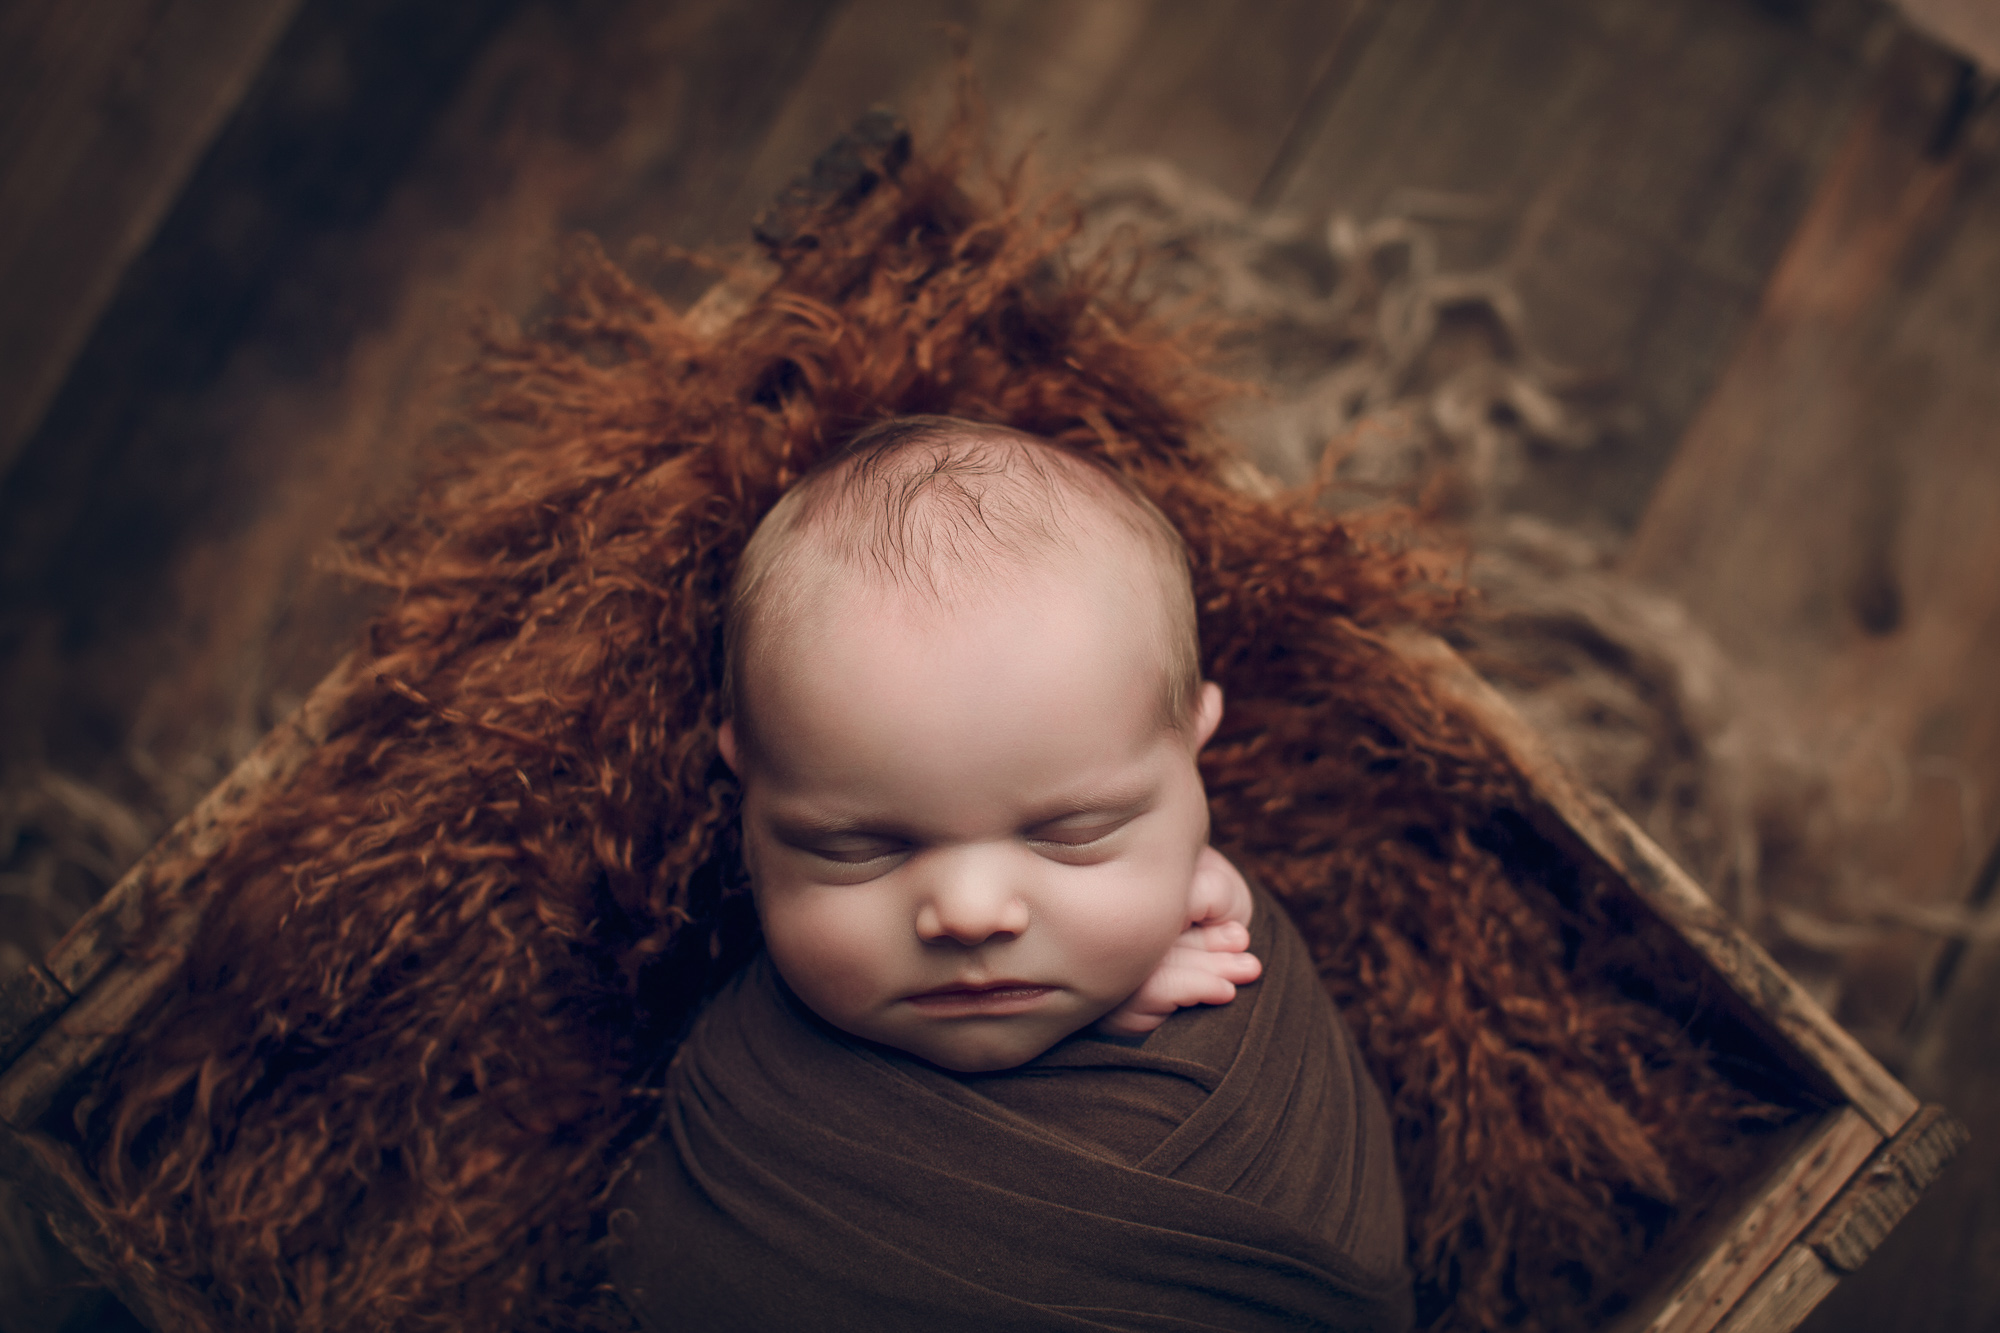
x=413, y=1043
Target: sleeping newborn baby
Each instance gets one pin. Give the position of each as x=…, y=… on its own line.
x=965, y=1084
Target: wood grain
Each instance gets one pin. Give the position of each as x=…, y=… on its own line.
x=1829, y=518
x=1633, y=167
x=97, y=990
x=1784, y=1296
x=1940, y=1268
x=1849, y=1228
x=1214, y=88
x=106, y=109
x=161, y=584
x=1769, y=1225
x=1856, y=1222
x=29, y=1000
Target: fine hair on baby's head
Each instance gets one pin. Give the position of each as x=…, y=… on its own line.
x=952, y=512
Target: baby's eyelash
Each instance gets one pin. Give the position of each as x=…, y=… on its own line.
x=857, y=854
x=1080, y=836
x=1074, y=838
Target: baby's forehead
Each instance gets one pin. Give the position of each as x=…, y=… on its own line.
x=1023, y=653
x=1090, y=586
x=973, y=502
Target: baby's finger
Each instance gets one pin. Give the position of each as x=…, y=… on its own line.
x=1237, y=967
x=1192, y=985
x=1222, y=937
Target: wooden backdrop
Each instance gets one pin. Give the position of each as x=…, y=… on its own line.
x=241, y=242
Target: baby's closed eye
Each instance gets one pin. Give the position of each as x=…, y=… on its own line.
x=1088, y=823
x=1081, y=837
x=849, y=849
x=857, y=851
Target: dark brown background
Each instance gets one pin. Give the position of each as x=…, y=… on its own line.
x=241, y=242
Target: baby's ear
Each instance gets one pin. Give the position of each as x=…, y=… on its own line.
x=725, y=741
x=1207, y=712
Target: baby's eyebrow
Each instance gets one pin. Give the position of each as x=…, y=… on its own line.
x=808, y=826
x=832, y=826
x=1114, y=801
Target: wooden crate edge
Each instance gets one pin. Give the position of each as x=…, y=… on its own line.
x=1611, y=836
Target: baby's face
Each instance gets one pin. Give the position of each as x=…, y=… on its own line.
x=969, y=832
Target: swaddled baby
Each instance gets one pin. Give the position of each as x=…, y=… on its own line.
x=962, y=1087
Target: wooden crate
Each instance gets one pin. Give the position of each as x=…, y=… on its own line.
x=1759, y=1258
x=1838, y=1183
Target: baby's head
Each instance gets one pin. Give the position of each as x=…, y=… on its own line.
x=965, y=705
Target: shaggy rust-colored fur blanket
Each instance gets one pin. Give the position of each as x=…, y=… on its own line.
x=413, y=1045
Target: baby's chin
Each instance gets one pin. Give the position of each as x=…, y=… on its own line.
x=978, y=1046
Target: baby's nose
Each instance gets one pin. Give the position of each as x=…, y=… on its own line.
x=970, y=904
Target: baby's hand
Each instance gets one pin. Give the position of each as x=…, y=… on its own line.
x=1207, y=963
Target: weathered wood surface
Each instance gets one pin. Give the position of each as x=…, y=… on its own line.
x=154, y=533
x=104, y=110
x=1857, y=1222
x=1767, y=1227
x=1213, y=87
x=1939, y=1270
x=1633, y=167
x=1850, y=1228
x=96, y=992
x=1830, y=518
x=1785, y=1295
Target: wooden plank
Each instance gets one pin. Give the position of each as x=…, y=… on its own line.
x=1768, y=1225
x=1829, y=516
x=1213, y=88
x=153, y=446
x=661, y=113
x=1972, y=26
x=29, y=1000
x=1764, y=987
x=98, y=938
x=160, y=584
x=111, y=989
x=1216, y=89
x=1936, y=1271
x=1858, y=1221
x=92, y=1026
x=1632, y=167
x=1784, y=1296
x=106, y=109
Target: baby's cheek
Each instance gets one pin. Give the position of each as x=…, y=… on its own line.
x=826, y=956
x=1119, y=945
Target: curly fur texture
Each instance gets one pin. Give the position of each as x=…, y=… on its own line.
x=412, y=1045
